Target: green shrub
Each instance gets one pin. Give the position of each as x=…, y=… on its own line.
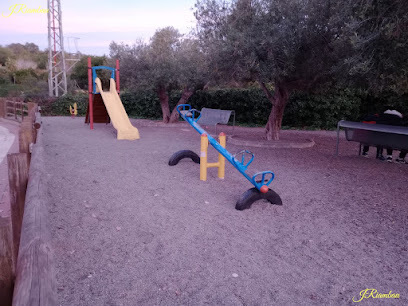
x=317, y=111
x=143, y=104
x=253, y=108
x=321, y=110
x=25, y=75
x=146, y=104
x=10, y=90
x=375, y=104
x=251, y=105
x=4, y=76
x=42, y=60
x=60, y=105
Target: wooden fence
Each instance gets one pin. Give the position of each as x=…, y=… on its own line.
x=13, y=108
x=26, y=265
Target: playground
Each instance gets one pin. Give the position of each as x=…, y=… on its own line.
x=100, y=208
x=128, y=229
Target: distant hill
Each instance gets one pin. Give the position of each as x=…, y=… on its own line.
x=23, y=70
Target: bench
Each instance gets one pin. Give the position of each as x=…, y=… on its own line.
x=213, y=117
x=386, y=136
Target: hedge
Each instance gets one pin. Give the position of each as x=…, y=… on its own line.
x=318, y=111
x=60, y=106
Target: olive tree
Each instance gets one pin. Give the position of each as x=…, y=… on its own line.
x=380, y=39
x=284, y=45
x=192, y=71
x=166, y=63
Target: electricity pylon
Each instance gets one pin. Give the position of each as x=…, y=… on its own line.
x=57, y=74
x=57, y=66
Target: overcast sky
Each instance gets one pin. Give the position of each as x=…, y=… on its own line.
x=95, y=23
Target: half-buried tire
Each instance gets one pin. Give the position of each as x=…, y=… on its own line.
x=252, y=195
x=179, y=155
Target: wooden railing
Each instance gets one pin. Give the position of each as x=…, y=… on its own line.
x=13, y=108
x=26, y=263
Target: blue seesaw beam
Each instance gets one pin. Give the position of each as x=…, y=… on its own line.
x=189, y=115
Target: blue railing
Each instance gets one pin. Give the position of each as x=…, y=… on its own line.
x=94, y=76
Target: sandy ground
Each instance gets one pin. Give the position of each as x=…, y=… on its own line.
x=130, y=230
x=8, y=144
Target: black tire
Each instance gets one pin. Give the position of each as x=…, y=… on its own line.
x=252, y=195
x=179, y=155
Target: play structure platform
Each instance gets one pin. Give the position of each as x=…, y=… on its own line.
x=106, y=106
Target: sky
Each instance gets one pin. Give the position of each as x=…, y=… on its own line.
x=89, y=25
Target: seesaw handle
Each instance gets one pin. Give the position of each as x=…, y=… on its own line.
x=185, y=111
x=241, y=164
x=183, y=107
x=266, y=178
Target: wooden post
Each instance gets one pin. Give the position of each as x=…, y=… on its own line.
x=8, y=112
x=30, y=106
x=25, y=135
x=3, y=105
x=35, y=275
x=37, y=121
x=31, y=114
x=31, y=119
x=6, y=262
x=18, y=178
x=10, y=109
x=15, y=108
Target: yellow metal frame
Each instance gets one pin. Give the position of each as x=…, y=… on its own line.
x=204, y=165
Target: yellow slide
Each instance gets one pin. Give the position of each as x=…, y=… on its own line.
x=117, y=112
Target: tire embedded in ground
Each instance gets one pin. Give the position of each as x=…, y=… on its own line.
x=179, y=155
x=252, y=195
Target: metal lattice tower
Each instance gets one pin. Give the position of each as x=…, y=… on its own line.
x=57, y=72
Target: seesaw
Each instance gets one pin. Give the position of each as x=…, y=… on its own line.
x=240, y=161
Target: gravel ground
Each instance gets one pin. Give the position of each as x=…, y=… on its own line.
x=128, y=229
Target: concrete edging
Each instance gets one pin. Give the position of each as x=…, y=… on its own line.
x=281, y=144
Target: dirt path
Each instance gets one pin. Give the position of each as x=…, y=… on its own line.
x=130, y=230
x=8, y=144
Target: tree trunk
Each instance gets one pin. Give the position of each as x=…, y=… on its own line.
x=164, y=103
x=279, y=101
x=185, y=95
